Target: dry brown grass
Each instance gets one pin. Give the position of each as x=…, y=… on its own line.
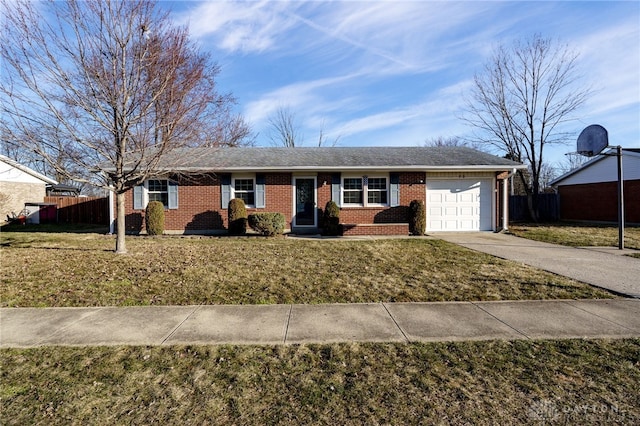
x=496, y=382
x=578, y=235
x=81, y=270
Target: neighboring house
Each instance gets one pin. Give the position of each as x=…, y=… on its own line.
x=464, y=189
x=590, y=192
x=21, y=187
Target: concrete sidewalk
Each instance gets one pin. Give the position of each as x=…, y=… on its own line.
x=601, y=267
x=291, y=324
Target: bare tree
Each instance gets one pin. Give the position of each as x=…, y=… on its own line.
x=323, y=141
x=572, y=161
x=441, y=141
x=109, y=86
x=520, y=101
x=284, y=130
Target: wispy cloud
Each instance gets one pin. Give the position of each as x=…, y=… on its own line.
x=240, y=26
x=394, y=72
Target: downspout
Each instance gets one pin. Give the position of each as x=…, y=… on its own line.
x=505, y=200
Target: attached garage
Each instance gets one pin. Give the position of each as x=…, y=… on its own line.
x=459, y=204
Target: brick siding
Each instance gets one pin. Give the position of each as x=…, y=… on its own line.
x=200, y=210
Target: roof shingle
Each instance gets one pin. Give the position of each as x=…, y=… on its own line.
x=335, y=158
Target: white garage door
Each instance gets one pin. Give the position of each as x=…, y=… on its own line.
x=459, y=205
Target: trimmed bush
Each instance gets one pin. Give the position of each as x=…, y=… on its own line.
x=237, y=217
x=417, y=217
x=331, y=219
x=154, y=218
x=267, y=223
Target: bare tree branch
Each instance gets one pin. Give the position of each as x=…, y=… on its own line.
x=107, y=86
x=521, y=99
x=284, y=130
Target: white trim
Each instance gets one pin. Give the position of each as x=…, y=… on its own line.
x=27, y=170
x=365, y=189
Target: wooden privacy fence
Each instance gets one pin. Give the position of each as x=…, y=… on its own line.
x=548, y=208
x=90, y=210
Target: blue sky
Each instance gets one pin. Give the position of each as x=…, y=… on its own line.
x=396, y=73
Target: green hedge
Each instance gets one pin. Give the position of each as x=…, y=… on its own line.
x=331, y=219
x=267, y=223
x=237, y=217
x=154, y=218
x=417, y=217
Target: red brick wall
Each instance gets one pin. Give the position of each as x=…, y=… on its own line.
x=199, y=201
x=599, y=201
x=376, y=229
x=279, y=196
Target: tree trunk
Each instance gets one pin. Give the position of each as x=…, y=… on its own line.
x=121, y=246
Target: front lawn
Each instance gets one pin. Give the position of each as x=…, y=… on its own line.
x=47, y=269
x=578, y=235
x=496, y=382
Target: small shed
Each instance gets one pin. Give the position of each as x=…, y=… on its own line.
x=590, y=192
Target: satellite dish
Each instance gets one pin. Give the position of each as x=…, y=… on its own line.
x=592, y=140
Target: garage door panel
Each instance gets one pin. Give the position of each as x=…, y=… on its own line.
x=459, y=205
x=450, y=211
x=466, y=197
x=450, y=197
x=467, y=211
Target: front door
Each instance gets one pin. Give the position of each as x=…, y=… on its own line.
x=305, y=200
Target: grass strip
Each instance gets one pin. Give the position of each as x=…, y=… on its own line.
x=578, y=235
x=491, y=382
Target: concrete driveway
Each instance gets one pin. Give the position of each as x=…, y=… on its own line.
x=601, y=267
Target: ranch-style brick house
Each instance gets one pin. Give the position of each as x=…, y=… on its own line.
x=463, y=189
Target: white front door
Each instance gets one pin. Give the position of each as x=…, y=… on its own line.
x=459, y=205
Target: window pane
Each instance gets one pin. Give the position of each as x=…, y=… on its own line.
x=244, y=185
x=163, y=197
x=377, y=183
x=157, y=185
x=352, y=197
x=247, y=197
x=352, y=183
x=377, y=197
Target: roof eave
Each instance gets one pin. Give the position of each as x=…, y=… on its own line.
x=417, y=168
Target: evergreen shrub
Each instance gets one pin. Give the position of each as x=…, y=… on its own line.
x=154, y=218
x=331, y=219
x=269, y=224
x=417, y=218
x=237, y=217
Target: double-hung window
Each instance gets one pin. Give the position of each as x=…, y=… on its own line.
x=163, y=190
x=352, y=192
x=244, y=189
x=365, y=191
x=158, y=190
x=377, y=191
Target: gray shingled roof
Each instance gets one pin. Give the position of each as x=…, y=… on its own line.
x=336, y=158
